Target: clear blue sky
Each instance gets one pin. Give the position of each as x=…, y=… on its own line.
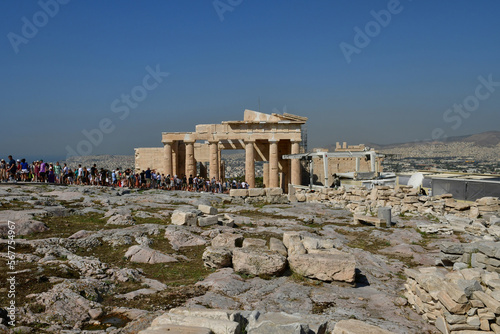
x=63, y=79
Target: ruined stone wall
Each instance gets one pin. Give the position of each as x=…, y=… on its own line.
x=461, y=301
x=201, y=152
x=258, y=195
x=403, y=199
x=149, y=157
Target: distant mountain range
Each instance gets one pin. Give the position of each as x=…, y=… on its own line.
x=484, y=139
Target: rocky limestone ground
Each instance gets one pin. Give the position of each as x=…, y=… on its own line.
x=104, y=260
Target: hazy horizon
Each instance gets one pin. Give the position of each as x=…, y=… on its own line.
x=117, y=74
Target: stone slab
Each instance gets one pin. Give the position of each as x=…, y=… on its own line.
x=176, y=329
x=379, y=222
x=208, y=221
x=352, y=326
x=207, y=209
x=184, y=218
x=274, y=191
x=238, y=192
x=451, y=305
x=218, y=326
x=256, y=192
x=326, y=267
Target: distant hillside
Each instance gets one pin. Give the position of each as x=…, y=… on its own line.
x=488, y=139
x=484, y=139
x=104, y=161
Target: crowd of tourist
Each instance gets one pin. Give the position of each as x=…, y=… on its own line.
x=39, y=171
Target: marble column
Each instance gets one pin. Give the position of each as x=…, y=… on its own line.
x=214, y=160
x=190, y=162
x=265, y=174
x=167, y=153
x=373, y=161
x=273, y=164
x=250, y=164
x=175, y=157
x=295, y=169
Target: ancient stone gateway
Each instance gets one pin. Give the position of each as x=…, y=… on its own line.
x=264, y=137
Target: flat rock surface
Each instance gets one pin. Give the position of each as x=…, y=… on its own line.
x=99, y=248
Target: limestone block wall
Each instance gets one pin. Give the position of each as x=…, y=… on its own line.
x=151, y=157
x=461, y=301
x=202, y=152
x=404, y=199
x=481, y=255
x=258, y=195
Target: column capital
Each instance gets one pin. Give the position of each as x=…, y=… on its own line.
x=167, y=141
x=296, y=140
x=249, y=141
x=189, y=141
x=273, y=141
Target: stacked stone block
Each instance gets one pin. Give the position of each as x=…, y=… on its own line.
x=465, y=301
x=205, y=215
x=306, y=254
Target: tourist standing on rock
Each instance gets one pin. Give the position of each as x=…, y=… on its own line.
x=184, y=182
x=133, y=180
x=127, y=178
x=24, y=170
x=36, y=171
x=153, y=179
x=18, y=170
x=147, y=175
x=158, y=180
x=11, y=168
x=71, y=176
x=172, y=182
x=336, y=181
x=65, y=172
x=3, y=170
x=43, y=171
x=80, y=175
x=94, y=175
x=143, y=178
x=50, y=175
x=102, y=176
x=58, y=172
x=190, y=183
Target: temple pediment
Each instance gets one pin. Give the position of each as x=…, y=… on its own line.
x=256, y=116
